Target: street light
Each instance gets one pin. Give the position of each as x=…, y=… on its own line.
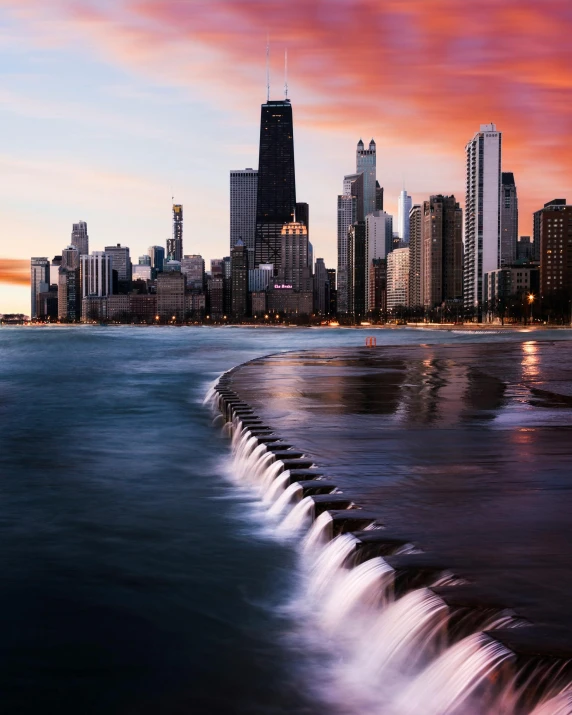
x=530, y=302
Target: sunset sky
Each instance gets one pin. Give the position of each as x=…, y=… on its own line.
x=109, y=108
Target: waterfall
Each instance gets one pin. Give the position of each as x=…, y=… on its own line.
x=270, y=474
x=559, y=705
x=324, y=569
x=277, y=486
x=290, y=495
x=261, y=465
x=405, y=633
x=218, y=420
x=450, y=680
x=300, y=515
x=227, y=430
x=320, y=533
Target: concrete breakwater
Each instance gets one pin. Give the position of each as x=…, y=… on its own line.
x=423, y=634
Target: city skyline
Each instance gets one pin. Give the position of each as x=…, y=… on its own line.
x=119, y=173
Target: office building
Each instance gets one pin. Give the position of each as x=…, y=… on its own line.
x=227, y=276
x=378, y=243
x=39, y=281
x=79, y=238
x=194, y=269
x=69, y=294
x=175, y=243
x=347, y=216
x=377, y=299
x=96, y=275
x=239, y=279
x=70, y=257
x=556, y=258
x=294, y=250
x=524, y=249
x=171, y=304
x=358, y=270
x=397, y=279
x=404, y=204
x=243, y=194
x=536, y=218
x=366, y=165
x=333, y=291
x=415, y=298
x=482, y=213
x=378, y=197
x=509, y=220
x=55, y=266
x=142, y=272
x=47, y=304
x=442, y=232
x=276, y=196
x=120, y=262
x=215, y=295
x=157, y=256
x=510, y=284
x=259, y=278
x=321, y=288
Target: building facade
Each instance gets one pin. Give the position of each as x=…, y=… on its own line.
x=415, y=299
x=239, y=278
x=482, y=213
x=69, y=294
x=120, y=261
x=171, y=305
x=193, y=267
x=442, y=251
x=243, y=193
x=175, y=243
x=536, y=223
x=294, y=251
x=556, y=259
x=397, y=279
x=157, y=256
x=366, y=160
x=378, y=243
x=39, y=282
x=96, y=275
x=79, y=237
x=404, y=204
x=509, y=219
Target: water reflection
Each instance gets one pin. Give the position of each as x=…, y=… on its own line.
x=530, y=361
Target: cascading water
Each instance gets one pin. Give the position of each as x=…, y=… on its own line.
x=450, y=681
x=320, y=533
x=300, y=516
x=324, y=569
x=366, y=587
x=290, y=495
x=270, y=474
x=559, y=705
x=276, y=487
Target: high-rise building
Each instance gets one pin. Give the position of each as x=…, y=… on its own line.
x=366, y=165
x=377, y=299
x=509, y=220
x=482, y=212
x=69, y=294
x=194, y=269
x=525, y=249
x=415, y=298
x=404, y=204
x=378, y=196
x=239, y=277
x=347, y=216
x=39, y=281
x=157, y=256
x=332, y=287
x=142, y=272
x=442, y=232
x=96, y=275
x=227, y=275
x=243, y=193
x=276, y=197
x=303, y=214
x=79, y=238
x=378, y=239
x=120, y=261
x=171, y=304
x=296, y=267
x=70, y=257
x=397, y=278
x=556, y=258
x=55, y=266
x=145, y=260
x=175, y=243
x=259, y=278
x=358, y=270
x=321, y=286
x=537, y=217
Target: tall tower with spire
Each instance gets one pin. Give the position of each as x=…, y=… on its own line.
x=366, y=165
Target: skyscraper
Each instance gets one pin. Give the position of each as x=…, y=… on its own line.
x=39, y=281
x=442, y=231
x=347, y=216
x=556, y=258
x=79, y=238
x=366, y=165
x=509, y=220
x=175, y=244
x=194, y=269
x=397, y=278
x=69, y=294
x=96, y=275
x=243, y=193
x=294, y=251
x=321, y=286
x=120, y=261
x=239, y=278
x=403, y=208
x=378, y=240
x=357, y=269
x=415, y=298
x=70, y=257
x=482, y=213
x=537, y=220
x=276, y=195
x=157, y=255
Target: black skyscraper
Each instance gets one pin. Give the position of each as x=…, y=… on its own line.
x=276, y=197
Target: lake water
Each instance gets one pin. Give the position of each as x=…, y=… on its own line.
x=135, y=576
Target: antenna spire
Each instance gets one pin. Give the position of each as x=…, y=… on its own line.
x=267, y=68
x=286, y=74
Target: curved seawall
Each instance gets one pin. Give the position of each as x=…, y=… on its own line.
x=411, y=628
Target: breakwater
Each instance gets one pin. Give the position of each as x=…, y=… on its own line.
x=412, y=633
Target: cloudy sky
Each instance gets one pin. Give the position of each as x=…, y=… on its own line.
x=110, y=107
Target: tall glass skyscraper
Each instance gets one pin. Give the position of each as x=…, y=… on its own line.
x=276, y=195
x=175, y=244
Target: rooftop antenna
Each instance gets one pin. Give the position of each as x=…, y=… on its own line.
x=267, y=68
x=286, y=74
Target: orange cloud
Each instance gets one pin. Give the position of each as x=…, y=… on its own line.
x=421, y=73
x=14, y=271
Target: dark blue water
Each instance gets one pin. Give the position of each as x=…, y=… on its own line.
x=131, y=582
